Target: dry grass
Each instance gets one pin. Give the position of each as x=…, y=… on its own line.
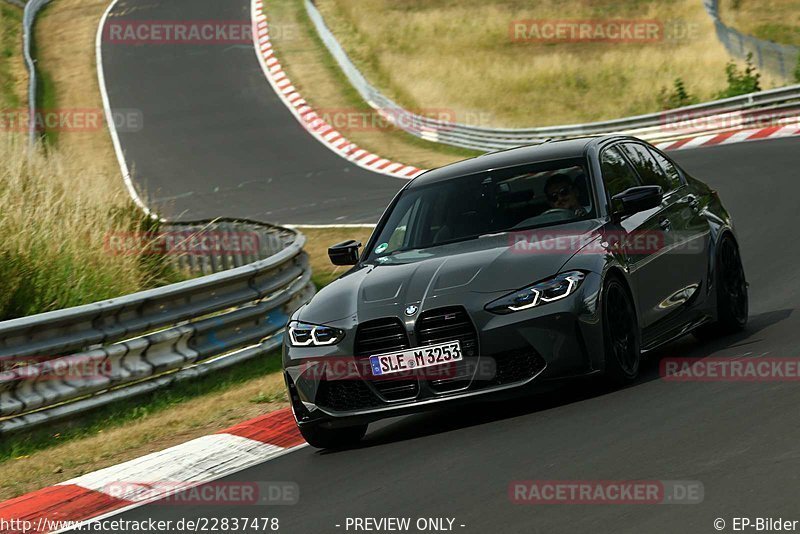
x=65, y=43
x=191, y=419
x=57, y=211
x=13, y=77
x=775, y=20
x=320, y=81
x=460, y=56
x=61, y=202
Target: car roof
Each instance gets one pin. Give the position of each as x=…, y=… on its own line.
x=575, y=147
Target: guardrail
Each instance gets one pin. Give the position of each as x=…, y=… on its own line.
x=63, y=362
x=778, y=58
x=707, y=118
x=207, y=247
x=28, y=18
x=59, y=364
x=18, y=3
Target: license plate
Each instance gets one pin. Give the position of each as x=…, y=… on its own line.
x=418, y=358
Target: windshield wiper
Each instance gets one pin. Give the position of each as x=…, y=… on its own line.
x=494, y=234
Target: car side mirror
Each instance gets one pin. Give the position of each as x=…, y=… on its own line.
x=636, y=199
x=344, y=253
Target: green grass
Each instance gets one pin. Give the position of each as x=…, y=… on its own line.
x=10, y=44
x=46, y=90
x=778, y=32
x=127, y=411
x=46, y=100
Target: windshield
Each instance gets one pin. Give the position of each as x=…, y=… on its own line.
x=490, y=202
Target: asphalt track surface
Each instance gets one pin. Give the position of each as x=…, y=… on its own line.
x=741, y=440
x=216, y=139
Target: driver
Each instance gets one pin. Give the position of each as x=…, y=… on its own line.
x=562, y=194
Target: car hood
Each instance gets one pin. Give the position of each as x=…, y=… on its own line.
x=484, y=265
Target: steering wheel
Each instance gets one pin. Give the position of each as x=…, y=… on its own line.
x=558, y=211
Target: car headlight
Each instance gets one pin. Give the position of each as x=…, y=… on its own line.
x=313, y=335
x=555, y=288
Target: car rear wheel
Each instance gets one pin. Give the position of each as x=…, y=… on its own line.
x=621, y=329
x=732, y=299
x=333, y=438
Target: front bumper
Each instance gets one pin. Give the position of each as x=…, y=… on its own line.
x=508, y=355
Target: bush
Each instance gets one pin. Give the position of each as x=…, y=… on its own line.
x=741, y=83
x=679, y=96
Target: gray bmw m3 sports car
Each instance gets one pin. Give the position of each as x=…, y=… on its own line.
x=499, y=273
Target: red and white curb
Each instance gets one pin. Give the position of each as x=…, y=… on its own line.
x=730, y=137
x=310, y=120
x=195, y=462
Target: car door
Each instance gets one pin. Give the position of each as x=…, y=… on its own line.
x=687, y=218
x=670, y=275
x=618, y=175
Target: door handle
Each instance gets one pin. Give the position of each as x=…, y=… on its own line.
x=665, y=224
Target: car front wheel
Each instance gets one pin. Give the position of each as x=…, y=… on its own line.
x=620, y=328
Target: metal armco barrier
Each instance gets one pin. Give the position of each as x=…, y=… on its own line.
x=707, y=118
x=778, y=58
x=64, y=362
x=208, y=247
x=28, y=18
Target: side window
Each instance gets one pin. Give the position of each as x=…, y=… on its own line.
x=647, y=166
x=669, y=169
x=617, y=173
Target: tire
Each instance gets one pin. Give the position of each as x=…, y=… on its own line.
x=333, y=438
x=620, y=334
x=732, y=299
